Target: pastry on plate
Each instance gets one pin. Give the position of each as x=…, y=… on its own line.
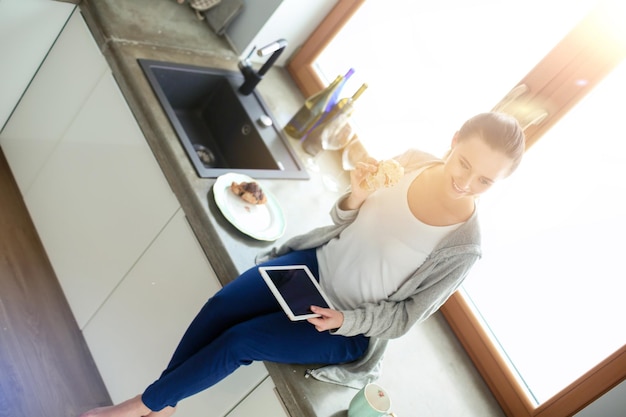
x=250, y=192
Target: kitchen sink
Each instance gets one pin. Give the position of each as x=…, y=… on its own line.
x=220, y=129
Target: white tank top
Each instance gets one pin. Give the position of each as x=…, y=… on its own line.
x=380, y=250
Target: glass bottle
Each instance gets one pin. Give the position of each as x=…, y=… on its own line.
x=335, y=131
x=315, y=107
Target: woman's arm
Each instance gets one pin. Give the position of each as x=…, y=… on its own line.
x=358, y=194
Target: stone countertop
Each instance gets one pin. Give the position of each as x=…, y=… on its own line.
x=166, y=31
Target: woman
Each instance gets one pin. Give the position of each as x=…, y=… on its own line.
x=392, y=257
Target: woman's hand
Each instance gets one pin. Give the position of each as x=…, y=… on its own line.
x=357, y=175
x=329, y=319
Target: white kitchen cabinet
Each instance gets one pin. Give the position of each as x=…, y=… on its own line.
x=134, y=333
x=89, y=179
x=28, y=28
x=99, y=201
x=263, y=401
x=63, y=83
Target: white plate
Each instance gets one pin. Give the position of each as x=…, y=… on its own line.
x=260, y=221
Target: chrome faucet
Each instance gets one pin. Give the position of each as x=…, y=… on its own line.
x=251, y=77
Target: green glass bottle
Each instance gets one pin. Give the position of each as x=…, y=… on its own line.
x=315, y=107
x=334, y=131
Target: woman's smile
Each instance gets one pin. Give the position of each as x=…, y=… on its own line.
x=459, y=189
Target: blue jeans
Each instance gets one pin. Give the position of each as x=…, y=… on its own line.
x=240, y=324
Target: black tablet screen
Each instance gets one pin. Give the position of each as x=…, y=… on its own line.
x=297, y=289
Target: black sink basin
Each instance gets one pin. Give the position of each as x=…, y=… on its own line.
x=221, y=130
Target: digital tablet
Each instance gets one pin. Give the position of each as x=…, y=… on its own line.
x=296, y=289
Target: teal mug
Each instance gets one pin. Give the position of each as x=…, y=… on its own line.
x=371, y=401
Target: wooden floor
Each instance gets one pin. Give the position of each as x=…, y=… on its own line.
x=46, y=369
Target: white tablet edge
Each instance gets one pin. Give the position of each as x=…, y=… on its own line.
x=278, y=295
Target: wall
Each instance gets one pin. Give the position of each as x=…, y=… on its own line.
x=246, y=26
x=264, y=21
x=611, y=404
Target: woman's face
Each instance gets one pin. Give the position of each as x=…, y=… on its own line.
x=472, y=167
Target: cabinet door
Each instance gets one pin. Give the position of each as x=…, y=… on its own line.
x=263, y=401
x=54, y=98
x=28, y=28
x=99, y=201
x=135, y=332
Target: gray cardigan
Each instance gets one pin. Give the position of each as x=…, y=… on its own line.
x=420, y=296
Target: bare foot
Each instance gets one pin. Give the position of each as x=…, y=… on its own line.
x=129, y=408
x=166, y=412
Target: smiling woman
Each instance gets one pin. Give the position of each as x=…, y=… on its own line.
x=457, y=73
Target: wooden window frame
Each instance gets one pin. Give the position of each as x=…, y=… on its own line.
x=572, y=69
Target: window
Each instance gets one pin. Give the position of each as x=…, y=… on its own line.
x=556, y=83
x=553, y=230
x=431, y=64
